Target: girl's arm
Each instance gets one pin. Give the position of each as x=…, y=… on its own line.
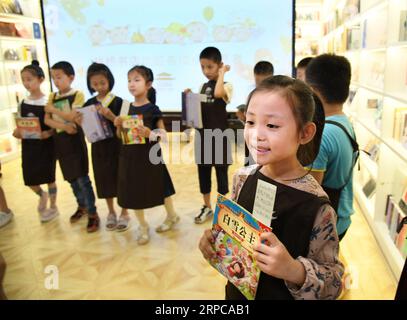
x=317, y=276
x=323, y=269
x=118, y=124
x=162, y=133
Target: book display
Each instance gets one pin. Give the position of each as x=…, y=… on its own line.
x=372, y=35
x=308, y=29
x=21, y=41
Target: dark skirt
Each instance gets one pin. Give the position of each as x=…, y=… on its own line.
x=72, y=154
x=140, y=182
x=38, y=161
x=169, y=189
x=105, y=160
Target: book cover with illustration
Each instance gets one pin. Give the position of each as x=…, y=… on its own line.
x=94, y=125
x=64, y=106
x=130, y=133
x=29, y=127
x=235, y=231
x=191, y=109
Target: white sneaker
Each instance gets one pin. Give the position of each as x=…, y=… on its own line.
x=204, y=215
x=48, y=215
x=42, y=204
x=5, y=217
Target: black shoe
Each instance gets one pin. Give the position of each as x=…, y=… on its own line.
x=93, y=223
x=79, y=213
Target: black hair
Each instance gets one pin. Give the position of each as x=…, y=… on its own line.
x=330, y=75
x=148, y=76
x=304, y=62
x=35, y=69
x=319, y=120
x=264, y=68
x=211, y=53
x=99, y=69
x=300, y=98
x=65, y=66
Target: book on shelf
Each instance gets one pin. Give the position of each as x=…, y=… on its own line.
x=130, y=132
x=235, y=231
x=391, y=216
x=403, y=26
x=403, y=201
x=372, y=103
x=372, y=149
x=11, y=7
x=401, y=236
x=353, y=38
x=191, y=109
x=400, y=126
x=94, y=125
x=29, y=127
x=369, y=188
x=351, y=9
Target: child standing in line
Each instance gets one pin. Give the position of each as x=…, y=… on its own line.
x=70, y=145
x=38, y=156
x=105, y=153
x=301, y=67
x=299, y=258
x=214, y=120
x=144, y=182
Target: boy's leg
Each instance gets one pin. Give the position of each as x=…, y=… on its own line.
x=222, y=179
x=204, y=173
x=143, y=236
x=80, y=199
x=89, y=196
x=5, y=213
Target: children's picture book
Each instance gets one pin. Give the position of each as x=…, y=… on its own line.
x=191, y=109
x=29, y=127
x=130, y=133
x=403, y=26
x=64, y=106
x=401, y=236
x=94, y=125
x=235, y=231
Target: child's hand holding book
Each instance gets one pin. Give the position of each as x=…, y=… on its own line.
x=273, y=259
x=17, y=134
x=206, y=245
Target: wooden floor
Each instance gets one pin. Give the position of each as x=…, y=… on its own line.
x=110, y=265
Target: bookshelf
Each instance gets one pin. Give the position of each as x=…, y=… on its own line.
x=21, y=41
x=372, y=34
x=308, y=28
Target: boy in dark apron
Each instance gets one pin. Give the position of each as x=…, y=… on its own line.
x=209, y=151
x=70, y=145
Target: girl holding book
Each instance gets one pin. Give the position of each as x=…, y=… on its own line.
x=299, y=258
x=105, y=153
x=37, y=155
x=144, y=181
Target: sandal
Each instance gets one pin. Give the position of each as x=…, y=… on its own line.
x=143, y=236
x=111, y=222
x=168, y=224
x=123, y=223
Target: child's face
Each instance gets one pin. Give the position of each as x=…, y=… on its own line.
x=210, y=69
x=61, y=80
x=100, y=84
x=137, y=85
x=271, y=131
x=31, y=82
x=301, y=74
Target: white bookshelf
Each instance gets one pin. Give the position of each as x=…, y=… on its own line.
x=17, y=49
x=378, y=54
